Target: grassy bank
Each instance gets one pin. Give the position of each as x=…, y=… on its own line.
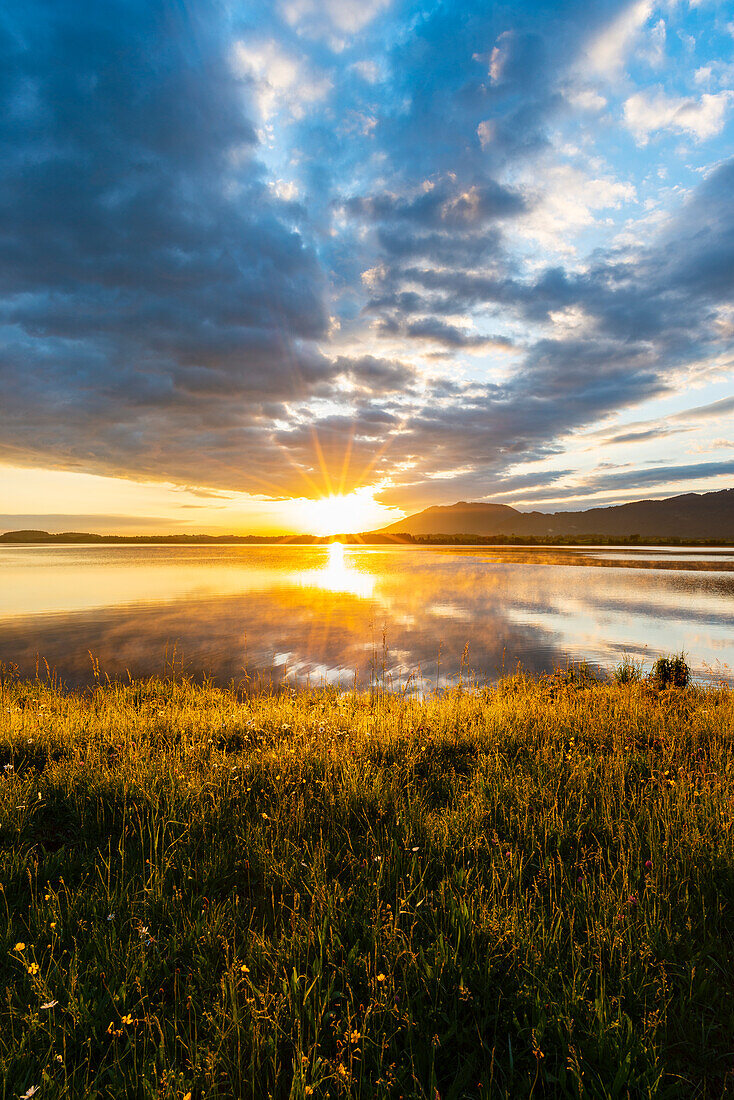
x=523, y=891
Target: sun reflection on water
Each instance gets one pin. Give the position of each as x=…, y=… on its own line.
x=339, y=575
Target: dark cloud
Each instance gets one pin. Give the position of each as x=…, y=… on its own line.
x=659, y=475
x=374, y=375
x=438, y=331
x=154, y=294
x=454, y=206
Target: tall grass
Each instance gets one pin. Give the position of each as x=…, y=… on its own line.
x=519, y=892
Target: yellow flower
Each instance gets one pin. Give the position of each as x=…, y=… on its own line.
x=308, y=1091
x=187, y=1096
x=381, y=978
x=20, y=947
x=245, y=969
x=52, y=924
x=355, y=1036
x=33, y=968
x=126, y=1020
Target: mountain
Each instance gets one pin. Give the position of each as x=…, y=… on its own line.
x=690, y=516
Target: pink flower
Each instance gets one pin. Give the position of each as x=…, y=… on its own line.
x=648, y=864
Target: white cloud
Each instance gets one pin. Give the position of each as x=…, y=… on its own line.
x=485, y=132
x=286, y=190
x=654, y=50
x=368, y=70
x=331, y=19
x=569, y=204
x=607, y=53
x=716, y=74
x=498, y=57
x=586, y=99
x=282, y=82
x=646, y=113
x=374, y=276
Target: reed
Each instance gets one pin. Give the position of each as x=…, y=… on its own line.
x=523, y=891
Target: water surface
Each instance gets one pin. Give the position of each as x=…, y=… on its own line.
x=340, y=614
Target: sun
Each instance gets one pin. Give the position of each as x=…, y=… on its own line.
x=343, y=514
x=340, y=514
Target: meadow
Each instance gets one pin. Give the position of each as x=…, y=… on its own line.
x=510, y=892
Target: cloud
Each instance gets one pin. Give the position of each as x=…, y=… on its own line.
x=607, y=52
x=230, y=253
x=444, y=204
x=646, y=113
x=332, y=18
x=661, y=475
x=282, y=81
x=434, y=330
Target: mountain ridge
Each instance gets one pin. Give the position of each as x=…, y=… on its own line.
x=688, y=515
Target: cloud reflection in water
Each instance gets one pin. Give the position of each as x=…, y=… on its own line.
x=320, y=613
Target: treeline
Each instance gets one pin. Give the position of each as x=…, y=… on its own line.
x=368, y=538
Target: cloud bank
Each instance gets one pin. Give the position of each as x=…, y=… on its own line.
x=415, y=246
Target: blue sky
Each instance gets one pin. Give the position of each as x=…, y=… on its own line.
x=255, y=254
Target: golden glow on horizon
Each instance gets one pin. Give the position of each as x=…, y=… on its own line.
x=342, y=514
x=69, y=500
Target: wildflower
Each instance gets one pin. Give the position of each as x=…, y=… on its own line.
x=49, y=1004
x=508, y=855
x=342, y=1071
x=127, y=1019
x=633, y=899
x=31, y=1092
x=19, y=947
x=648, y=864
x=8, y=768
x=111, y=916
x=308, y=1091
x=245, y=969
x=355, y=1036
x=381, y=977
x=52, y=924
x=33, y=968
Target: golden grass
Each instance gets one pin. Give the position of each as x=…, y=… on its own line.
x=513, y=892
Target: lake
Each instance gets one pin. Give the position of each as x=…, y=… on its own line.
x=338, y=614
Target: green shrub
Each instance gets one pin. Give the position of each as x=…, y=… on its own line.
x=671, y=672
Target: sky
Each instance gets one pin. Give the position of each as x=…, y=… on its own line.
x=391, y=254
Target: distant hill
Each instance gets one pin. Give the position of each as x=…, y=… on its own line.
x=690, y=516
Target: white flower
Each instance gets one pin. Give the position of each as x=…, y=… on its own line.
x=31, y=1092
x=50, y=1004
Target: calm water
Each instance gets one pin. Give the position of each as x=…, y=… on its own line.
x=333, y=614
